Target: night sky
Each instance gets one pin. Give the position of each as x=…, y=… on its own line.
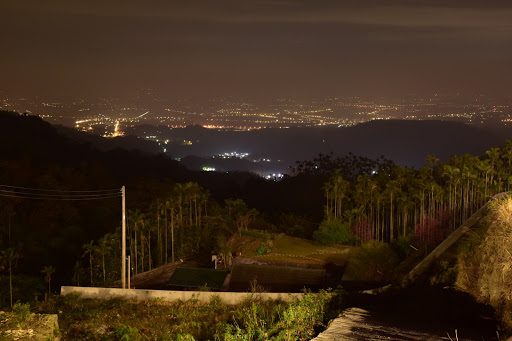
x=256, y=48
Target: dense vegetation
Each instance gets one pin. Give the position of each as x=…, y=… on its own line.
x=396, y=202
x=254, y=319
x=176, y=214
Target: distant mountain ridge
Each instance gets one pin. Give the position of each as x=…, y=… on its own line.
x=406, y=142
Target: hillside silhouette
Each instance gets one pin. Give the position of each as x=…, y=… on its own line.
x=406, y=142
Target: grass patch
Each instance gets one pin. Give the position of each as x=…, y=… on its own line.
x=92, y=319
x=21, y=324
x=286, y=249
x=289, y=249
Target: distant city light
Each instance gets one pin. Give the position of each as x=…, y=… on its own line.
x=231, y=155
x=208, y=169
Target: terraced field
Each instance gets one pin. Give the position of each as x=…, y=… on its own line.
x=286, y=249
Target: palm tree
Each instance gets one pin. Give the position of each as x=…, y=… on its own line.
x=89, y=250
x=178, y=193
x=328, y=189
x=392, y=189
x=336, y=190
x=405, y=204
x=148, y=228
x=102, y=250
x=76, y=272
x=189, y=193
x=495, y=163
x=170, y=204
x=432, y=160
x=157, y=206
x=48, y=271
x=10, y=213
x=137, y=220
x=10, y=256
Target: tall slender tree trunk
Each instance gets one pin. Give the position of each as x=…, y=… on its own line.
x=405, y=222
x=166, y=235
x=391, y=220
x=377, y=217
x=327, y=204
x=9, y=236
x=141, y=252
x=190, y=211
x=136, y=254
x=159, y=248
x=172, y=235
x=196, y=212
x=149, y=250
x=90, y=265
x=10, y=280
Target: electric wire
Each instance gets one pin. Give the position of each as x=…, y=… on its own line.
x=59, y=190
x=63, y=198
x=59, y=195
x=54, y=194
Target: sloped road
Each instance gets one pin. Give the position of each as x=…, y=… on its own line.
x=358, y=324
x=414, y=314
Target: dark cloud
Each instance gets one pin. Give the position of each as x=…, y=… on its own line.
x=256, y=47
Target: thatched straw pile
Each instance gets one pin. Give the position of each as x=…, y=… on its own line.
x=485, y=270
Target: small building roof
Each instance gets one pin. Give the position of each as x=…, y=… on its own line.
x=197, y=277
x=275, y=278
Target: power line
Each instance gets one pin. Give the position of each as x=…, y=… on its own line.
x=54, y=194
x=9, y=191
x=59, y=195
x=62, y=198
x=59, y=190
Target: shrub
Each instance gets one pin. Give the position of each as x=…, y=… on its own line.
x=333, y=232
x=277, y=321
x=256, y=234
x=21, y=313
x=372, y=261
x=301, y=317
x=297, y=226
x=127, y=333
x=402, y=246
x=432, y=230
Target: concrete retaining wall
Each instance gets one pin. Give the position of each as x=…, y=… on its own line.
x=203, y=296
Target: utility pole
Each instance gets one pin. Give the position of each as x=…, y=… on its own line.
x=123, y=241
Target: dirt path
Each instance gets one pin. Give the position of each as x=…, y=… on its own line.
x=358, y=324
x=414, y=314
